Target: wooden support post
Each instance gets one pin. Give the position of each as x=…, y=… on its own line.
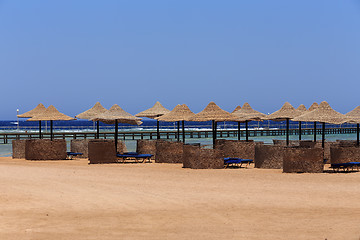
x=51, y=130
x=183, y=130
x=314, y=131
x=323, y=135
x=287, y=132
x=213, y=132
x=300, y=131
x=178, y=131
x=116, y=135
x=246, y=130
x=40, y=129
x=158, y=129
x=97, y=129
x=357, y=134
x=239, y=133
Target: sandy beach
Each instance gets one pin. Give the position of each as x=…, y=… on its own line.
x=73, y=200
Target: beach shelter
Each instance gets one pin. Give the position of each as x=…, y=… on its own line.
x=355, y=118
x=51, y=114
x=214, y=113
x=179, y=113
x=246, y=114
x=91, y=113
x=237, y=108
x=155, y=111
x=286, y=112
x=323, y=114
x=303, y=110
x=313, y=106
x=37, y=110
x=116, y=115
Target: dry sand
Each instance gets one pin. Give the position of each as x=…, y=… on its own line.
x=73, y=200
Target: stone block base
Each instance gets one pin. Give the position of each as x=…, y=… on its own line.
x=303, y=160
x=102, y=151
x=45, y=149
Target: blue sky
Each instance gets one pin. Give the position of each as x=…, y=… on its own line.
x=72, y=54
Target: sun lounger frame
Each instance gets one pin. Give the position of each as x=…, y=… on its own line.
x=237, y=162
x=133, y=157
x=346, y=167
x=71, y=155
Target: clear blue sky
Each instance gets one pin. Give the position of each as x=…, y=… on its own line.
x=133, y=53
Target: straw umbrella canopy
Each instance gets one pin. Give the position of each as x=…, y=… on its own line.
x=91, y=113
x=117, y=115
x=237, y=108
x=155, y=111
x=213, y=113
x=313, y=106
x=303, y=110
x=324, y=114
x=179, y=113
x=286, y=112
x=355, y=118
x=246, y=114
x=51, y=114
x=37, y=110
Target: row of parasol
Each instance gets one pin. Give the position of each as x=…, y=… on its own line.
x=322, y=113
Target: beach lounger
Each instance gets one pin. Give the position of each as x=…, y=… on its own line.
x=345, y=166
x=71, y=155
x=236, y=162
x=139, y=158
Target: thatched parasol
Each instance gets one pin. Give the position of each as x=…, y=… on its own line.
x=179, y=113
x=355, y=118
x=237, y=108
x=286, y=112
x=302, y=109
x=51, y=114
x=246, y=114
x=116, y=115
x=37, y=110
x=91, y=113
x=213, y=113
x=155, y=111
x=314, y=106
x=324, y=114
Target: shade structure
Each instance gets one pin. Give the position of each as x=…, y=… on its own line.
x=286, y=112
x=323, y=114
x=155, y=111
x=91, y=113
x=51, y=114
x=116, y=115
x=302, y=109
x=355, y=118
x=247, y=114
x=214, y=113
x=313, y=106
x=237, y=108
x=40, y=108
x=179, y=113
